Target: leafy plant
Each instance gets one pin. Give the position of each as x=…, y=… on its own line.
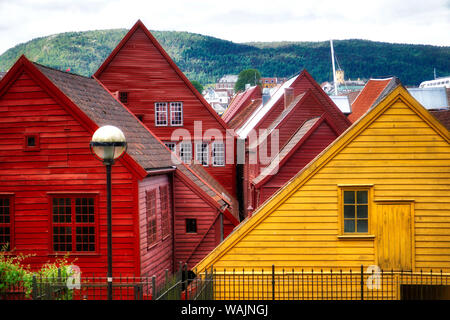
x=17, y=276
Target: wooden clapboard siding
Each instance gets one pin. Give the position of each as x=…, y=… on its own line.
x=322, y=136
x=192, y=247
x=302, y=84
x=62, y=165
x=142, y=68
x=398, y=151
x=157, y=258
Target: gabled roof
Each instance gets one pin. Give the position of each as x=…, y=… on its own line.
x=443, y=116
x=304, y=131
x=283, y=115
x=140, y=25
x=95, y=106
x=399, y=93
x=370, y=95
x=240, y=101
x=243, y=115
x=263, y=110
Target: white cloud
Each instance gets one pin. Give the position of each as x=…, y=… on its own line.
x=412, y=21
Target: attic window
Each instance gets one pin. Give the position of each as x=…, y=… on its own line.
x=123, y=96
x=31, y=142
x=191, y=225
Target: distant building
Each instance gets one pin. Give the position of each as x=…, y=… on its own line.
x=217, y=98
x=271, y=82
x=439, y=82
x=227, y=82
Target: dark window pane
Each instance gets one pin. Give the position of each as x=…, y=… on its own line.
x=349, y=196
x=362, y=226
x=362, y=211
x=361, y=196
x=191, y=225
x=349, y=225
x=349, y=211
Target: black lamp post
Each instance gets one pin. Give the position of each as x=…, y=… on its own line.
x=108, y=144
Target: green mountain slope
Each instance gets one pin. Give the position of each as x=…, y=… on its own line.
x=206, y=59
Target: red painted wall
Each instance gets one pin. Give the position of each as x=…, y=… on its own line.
x=63, y=164
x=140, y=69
x=158, y=257
x=315, y=144
x=192, y=247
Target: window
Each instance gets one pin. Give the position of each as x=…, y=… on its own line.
x=31, y=142
x=74, y=224
x=161, y=114
x=170, y=145
x=6, y=221
x=140, y=117
x=151, y=217
x=165, y=219
x=176, y=113
x=191, y=225
x=355, y=211
x=201, y=153
x=123, y=96
x=218, y=154
x=186, y=152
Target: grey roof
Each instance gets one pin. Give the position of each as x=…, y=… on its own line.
x=430, y=98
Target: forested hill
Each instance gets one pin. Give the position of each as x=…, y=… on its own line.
x=206, y=59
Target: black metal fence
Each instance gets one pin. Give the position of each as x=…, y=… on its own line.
x=360, y=284
x=183, y=285
x=271, y=284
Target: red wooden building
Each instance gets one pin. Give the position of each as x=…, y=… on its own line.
x=53, y=190
x=240, y=102
x=302, y=119
x=149, y=83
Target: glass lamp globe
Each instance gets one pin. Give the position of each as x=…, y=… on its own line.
x=108, y=143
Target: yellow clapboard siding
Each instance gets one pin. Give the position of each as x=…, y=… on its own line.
x=401, y=154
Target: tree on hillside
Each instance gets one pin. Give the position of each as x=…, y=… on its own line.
x=251, y=76
x=197, y=85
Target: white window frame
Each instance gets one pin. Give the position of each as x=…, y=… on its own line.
x=200, y=151
x=218, y=160
x=186, y=156
x=173, y=112
x=162, y=112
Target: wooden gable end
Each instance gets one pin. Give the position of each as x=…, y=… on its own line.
x=60, y=166
x=401, y=155
x=302, y=84
x=141, y=67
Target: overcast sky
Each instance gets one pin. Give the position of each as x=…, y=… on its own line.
x=399, y=21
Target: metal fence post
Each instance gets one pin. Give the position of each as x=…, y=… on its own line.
x=362, y=282
x=34, y=293
x=273, y=282
x=154, y=288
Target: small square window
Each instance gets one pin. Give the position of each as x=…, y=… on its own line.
x=31, y=142
x=191, y=225
x=355, y=210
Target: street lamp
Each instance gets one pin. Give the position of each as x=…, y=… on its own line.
x=108, y=144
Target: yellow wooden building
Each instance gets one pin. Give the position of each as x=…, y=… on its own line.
x=378, y=195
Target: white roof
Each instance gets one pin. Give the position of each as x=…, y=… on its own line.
x=430, y=98
x=342, y=103
x=259, y=113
